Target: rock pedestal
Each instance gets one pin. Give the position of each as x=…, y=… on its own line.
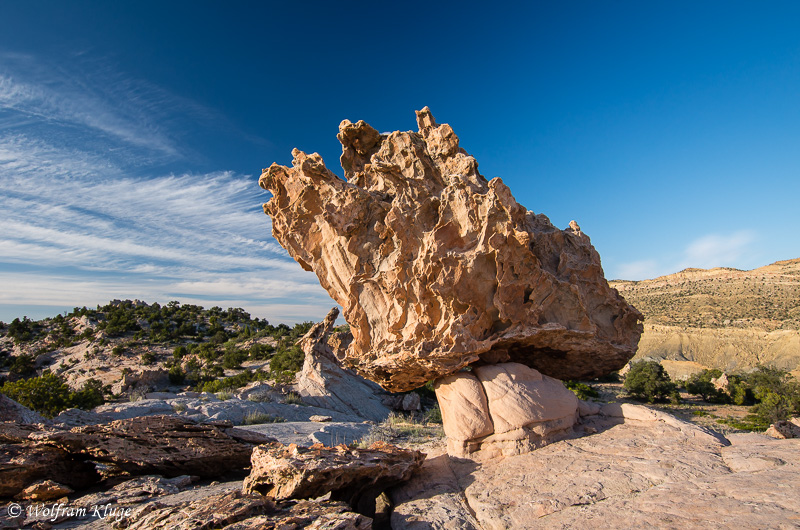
x=503, y=409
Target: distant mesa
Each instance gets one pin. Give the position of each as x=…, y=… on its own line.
x=723, y=318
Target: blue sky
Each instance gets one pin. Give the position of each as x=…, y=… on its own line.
x=132, y=134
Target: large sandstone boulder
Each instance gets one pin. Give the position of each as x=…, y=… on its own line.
x=437, y=268
x=503, y=409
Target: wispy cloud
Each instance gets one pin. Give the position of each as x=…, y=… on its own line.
x=705, y=252
x=718, y=250
x=81, y=222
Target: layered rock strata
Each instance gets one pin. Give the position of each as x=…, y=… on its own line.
x=437, y=268
x=503, y=409
x=164, y=445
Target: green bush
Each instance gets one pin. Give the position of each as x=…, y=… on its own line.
x=22, y=366
x=700, y=384
x=176, y=375
x=649, y=381
x=261, y=352
x=286, y=363
x=582, y=390
x=147, y=358
x=233, y=359
x=233, y=382
x=777, y=393
x=48, y=394
x=88, y=397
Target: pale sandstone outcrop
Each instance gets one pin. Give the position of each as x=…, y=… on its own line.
x=651, y=472
x=437, y=268
x=325, y=384
x=465, y=411
x=504, y=409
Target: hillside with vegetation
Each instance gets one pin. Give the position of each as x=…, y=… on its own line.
x=721, y=318
x=80, y=358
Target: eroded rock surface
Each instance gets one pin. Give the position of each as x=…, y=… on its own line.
x=237, y=511
x=10, y=410
x=437, y=268
x=164, y=445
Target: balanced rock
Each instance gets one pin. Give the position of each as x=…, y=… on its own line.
x=437, y=268
x=503, y=409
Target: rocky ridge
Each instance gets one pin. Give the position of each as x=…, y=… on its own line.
x=721, y=318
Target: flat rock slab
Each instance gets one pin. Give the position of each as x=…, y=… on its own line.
x=649, y=473
x=164, y=445
x=307, y=433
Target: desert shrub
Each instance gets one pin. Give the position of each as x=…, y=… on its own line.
x=176, y=375
x=582, y=390
x=233, y=358
x=24, y=330
x=433, y=415
x=179, y=352
x=286, y=363
x=256, y=418
x=147, y=358
x=233, y=382
x=700, y=384
x=89, y=396
x=119, y=349
x=22, y=366
x=293, y=398
x=261, y=351
x=48, y=394
x=739, y=391
x=649, y=381
x=776, y=392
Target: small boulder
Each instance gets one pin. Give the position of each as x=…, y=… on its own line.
x=355, y=476
x=784, y=429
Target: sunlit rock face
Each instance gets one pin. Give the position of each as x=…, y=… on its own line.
x=437, y=268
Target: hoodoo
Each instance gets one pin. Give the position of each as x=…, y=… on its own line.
x=438, y=269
